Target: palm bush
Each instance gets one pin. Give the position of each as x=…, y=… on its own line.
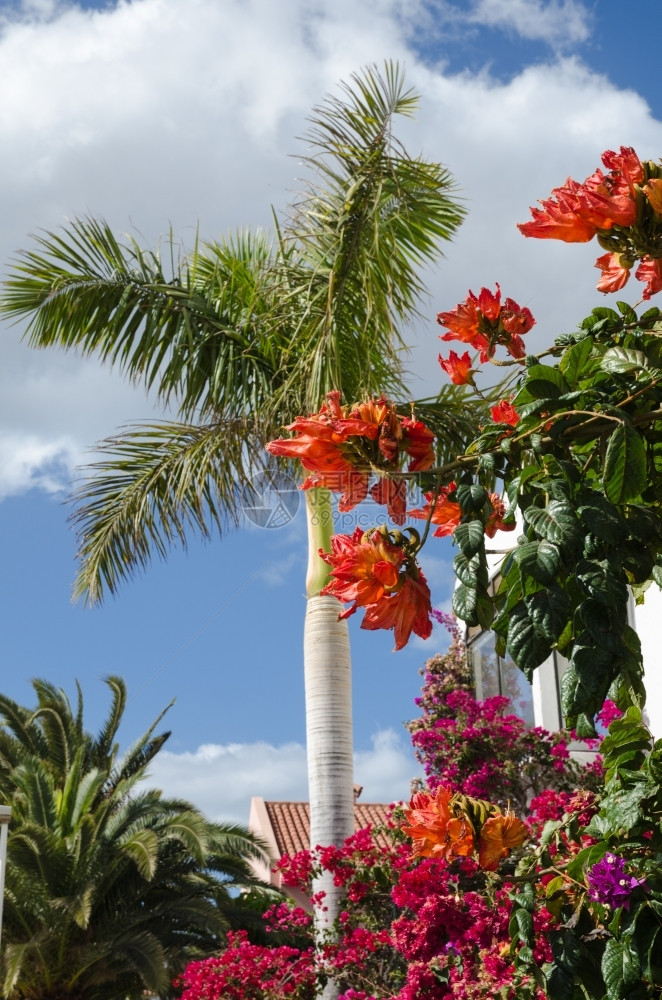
x=110, y=888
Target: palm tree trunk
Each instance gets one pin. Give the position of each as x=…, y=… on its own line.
x=328, y=684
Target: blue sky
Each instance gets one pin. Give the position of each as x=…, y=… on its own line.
x=184, y=112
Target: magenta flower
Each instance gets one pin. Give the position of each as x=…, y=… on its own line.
x=609, y=883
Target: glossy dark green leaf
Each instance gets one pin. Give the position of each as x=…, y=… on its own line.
x=526, y=644
x=603, y=519
x=549, y=610
x=545, y=382
x=612, y=969
x=467, y=570
x=574, y=360
x=538, y=559
x=625, y=465
x=473, y=606
x=469, y=537
x=621, y=359
x=557, y=523
x=471, y=497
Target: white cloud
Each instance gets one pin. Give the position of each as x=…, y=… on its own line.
x=160, y=112
x=28, y=463
x=558, y=22
x=220, y=780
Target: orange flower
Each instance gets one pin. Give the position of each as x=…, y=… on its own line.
x=392, y=493
x=484, y=322
x=653, y=191
x=341, y=445
x=504, y=413
x=462, y=323
x=417, y=442
x=365, y=568
x=446, y=513
x=406, y=611
x=614, y=274
x=650, y=271
x=498, y=837
x=575, y=212
x=495, y=521
x=607, y=201
x=457, y=368
x=626, y=163
x=434, y=829
x=559, y=218
x=380, y=576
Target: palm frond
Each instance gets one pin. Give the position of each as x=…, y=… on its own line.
x=186, y=333
x=156, y=482
x=366, y=221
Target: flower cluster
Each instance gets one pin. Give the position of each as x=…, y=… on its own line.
x=622, y=208
x=446, y=513
x=483, y=322
x=482, y=749
x=341, y=445
x=610, y=884
x=377, y=570
x=439, y=824
x=430, y=905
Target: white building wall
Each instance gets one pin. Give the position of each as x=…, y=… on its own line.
x=646, y=619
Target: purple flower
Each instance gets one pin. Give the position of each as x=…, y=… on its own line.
x=609, y=883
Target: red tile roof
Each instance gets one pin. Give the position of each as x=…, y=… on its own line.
x=291, y=825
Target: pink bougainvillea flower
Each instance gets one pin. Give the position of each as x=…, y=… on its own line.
x=369, y=570
x=610, y=884
x=614, y=274
x=457, y=368
x=498, y=836
x=504, y=413
x=446, y=514
x=434, y=829
x=650, y=271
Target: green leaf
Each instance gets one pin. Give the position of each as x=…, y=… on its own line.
x=574, y=360
x=473, y=606
x=469, y=537
x=621, y=359
x=625, y=465
x=603, y=519
x=557, y=523
x=544, y=382
x=549, y=611
x=612, y=969
x=538, y=559
x=467, y=570
x=525, y=642
x=471, y=497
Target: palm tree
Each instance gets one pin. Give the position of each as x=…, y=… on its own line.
x=241, y=336
x=110, y=890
